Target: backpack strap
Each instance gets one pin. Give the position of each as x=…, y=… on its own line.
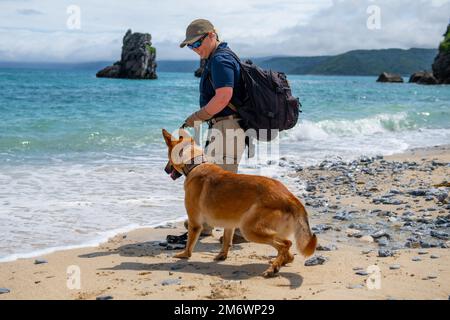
x=237, y=102
x=209, y=75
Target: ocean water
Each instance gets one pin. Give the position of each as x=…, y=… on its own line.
x=82, y=158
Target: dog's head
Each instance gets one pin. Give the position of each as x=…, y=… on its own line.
x=180, y=150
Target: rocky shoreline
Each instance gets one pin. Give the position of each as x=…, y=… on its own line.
x=392, y=204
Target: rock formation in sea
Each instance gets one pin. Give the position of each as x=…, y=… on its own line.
x=423, y=77
x=137, y=60
x=199, y=71
x=390, y=77
x=441, y=65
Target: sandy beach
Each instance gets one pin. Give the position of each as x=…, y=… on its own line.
x=386, y=219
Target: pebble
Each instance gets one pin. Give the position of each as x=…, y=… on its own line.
x=4, y=290
x=439, y=235
x=360, y=286
x=343, y=216
x=379, y=234
x=361, y=273
x=352, y=232
x=441, y=197
x=382, y=242
x=394, y=267
x=418, y=193
x=330, y=247
x=104, y=298
x=433, y=256
x=416, y=259
x=367, y=239
x=321, y=228
x=314, y=261
x=366, y=251
x=430, y=277
x=168, y=282
x=385, y=253
x=177, y=267
x=422, y=252
x=385, y=200
x=40, y=261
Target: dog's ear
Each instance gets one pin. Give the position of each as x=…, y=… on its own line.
x=167, y=137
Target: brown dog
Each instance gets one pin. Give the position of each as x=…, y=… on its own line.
x=262, y=208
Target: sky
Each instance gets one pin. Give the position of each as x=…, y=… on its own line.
x=92, y=30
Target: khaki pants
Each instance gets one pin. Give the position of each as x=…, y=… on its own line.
x=226, y=153
x=217, y=152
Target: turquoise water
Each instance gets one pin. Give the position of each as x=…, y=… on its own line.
x=81, y=157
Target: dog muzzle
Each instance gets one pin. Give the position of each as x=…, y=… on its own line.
x=170, y=170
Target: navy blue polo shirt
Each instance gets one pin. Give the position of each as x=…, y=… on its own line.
x=225, y=72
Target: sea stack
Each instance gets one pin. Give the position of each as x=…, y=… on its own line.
x=423, y=77
x=390, y=77
x=137, y=60
x=441, y=65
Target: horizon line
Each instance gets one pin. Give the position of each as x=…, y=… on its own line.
x=196, y=60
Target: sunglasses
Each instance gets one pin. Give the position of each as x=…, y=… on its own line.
x=197, y=43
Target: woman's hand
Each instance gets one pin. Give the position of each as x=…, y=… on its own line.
x=199, y=116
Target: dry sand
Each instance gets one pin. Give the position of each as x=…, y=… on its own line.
x=135, y=266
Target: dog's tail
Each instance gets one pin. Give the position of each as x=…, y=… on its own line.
x=305, y=239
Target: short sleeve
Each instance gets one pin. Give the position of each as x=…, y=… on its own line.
x=222, y=70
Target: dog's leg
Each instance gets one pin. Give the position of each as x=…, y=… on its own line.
x=227, y=239
x=281, y=245
x=260, y=226
x=194, y=230
x=287, y=258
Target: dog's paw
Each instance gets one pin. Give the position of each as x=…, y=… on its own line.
x=270, y=273
x=288, y=259
x=182, y=255
x=220, y=257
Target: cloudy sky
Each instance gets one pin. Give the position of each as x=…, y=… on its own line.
x=37, y=30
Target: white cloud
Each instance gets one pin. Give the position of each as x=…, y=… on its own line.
x=343, y=27
x=252, y=27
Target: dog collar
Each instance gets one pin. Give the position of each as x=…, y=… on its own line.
x=194, y=163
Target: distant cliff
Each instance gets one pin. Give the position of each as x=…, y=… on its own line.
x=137, y=60
x=356, y=63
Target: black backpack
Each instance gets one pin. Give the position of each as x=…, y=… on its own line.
x=269, y=103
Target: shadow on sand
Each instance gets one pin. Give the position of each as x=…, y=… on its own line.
x=220, y=269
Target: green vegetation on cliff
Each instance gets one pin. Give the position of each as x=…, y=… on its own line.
x=445, y=45
x=357, y=62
